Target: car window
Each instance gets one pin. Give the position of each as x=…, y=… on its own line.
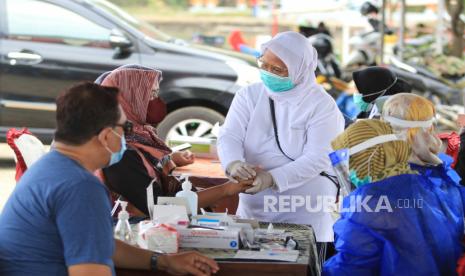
x=34, y=20
x=142, y=26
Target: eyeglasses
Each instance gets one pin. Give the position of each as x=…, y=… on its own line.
x=270, y=68
x=127, y=127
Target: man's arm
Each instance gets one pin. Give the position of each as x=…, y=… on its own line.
x=127, y=256
x=89, y=269
x=214, y=194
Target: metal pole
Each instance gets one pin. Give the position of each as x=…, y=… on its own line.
x=345, y=42
x=383, y=23
x=402, y=30
x=274, y=14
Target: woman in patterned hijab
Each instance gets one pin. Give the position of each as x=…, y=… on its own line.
x=378, y=162
x=147, y=159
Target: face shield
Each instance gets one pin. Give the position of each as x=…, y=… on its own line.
x=347, y=177
x=424, y=143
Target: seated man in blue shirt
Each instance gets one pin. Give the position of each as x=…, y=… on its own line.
x=57, y=221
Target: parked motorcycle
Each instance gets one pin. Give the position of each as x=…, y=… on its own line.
x=447, y=100
x=366, y=47
x=367, y=44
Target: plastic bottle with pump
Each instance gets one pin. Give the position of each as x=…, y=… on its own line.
x=123, y=230
x=189, y=194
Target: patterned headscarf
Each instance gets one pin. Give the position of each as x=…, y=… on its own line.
x=380, y=161
x=424, y=141
x=136, y=84
x=135, y=87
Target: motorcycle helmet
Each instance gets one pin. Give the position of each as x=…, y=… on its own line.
x=322, y=44
x=368, y=8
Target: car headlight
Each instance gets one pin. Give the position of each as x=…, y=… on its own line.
x=246, y=74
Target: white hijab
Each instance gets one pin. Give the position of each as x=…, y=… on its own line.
x=300, y=58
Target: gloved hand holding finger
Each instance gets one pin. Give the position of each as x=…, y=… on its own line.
x=263, y=180
x=239, y=170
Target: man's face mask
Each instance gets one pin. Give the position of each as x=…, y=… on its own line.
x=117, y=156
x=276, y=83
x=156, y=111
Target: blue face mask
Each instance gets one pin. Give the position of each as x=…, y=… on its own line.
x=360, y=103
x=276, y=83
x=117, y=156
x=357, y=181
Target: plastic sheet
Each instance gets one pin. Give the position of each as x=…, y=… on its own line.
x=420, y=235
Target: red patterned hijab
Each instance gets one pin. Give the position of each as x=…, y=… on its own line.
x=136, y=87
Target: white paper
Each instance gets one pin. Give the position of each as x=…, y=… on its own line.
x=181, y=201
x=169, y=214
x=284, y=255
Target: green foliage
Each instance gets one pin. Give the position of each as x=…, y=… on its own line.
x=177, y=3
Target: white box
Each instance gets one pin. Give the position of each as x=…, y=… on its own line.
x=208, y=238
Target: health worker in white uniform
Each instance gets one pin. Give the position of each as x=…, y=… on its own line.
x=307, y=120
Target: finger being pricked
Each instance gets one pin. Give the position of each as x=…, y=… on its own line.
x=245, y=185
x=244, y=189
x=247, y=182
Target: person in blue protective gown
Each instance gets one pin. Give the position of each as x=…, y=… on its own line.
x=412, y=116
x=397, y=221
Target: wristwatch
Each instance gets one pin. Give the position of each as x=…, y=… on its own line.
x=154, y=261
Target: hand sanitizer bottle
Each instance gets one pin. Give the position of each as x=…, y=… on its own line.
x=123, y=230
x=190, y=195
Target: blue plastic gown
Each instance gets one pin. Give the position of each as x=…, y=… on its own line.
x=416, y=231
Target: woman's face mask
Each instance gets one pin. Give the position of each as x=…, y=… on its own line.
x=156, y=111
x=360, y=103
x=364, y=106
x=357, y=181
x=276, y=83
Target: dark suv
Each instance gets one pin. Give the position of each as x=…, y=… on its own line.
x=48, y=45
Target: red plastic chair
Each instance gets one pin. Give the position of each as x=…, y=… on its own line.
x=27, y=148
